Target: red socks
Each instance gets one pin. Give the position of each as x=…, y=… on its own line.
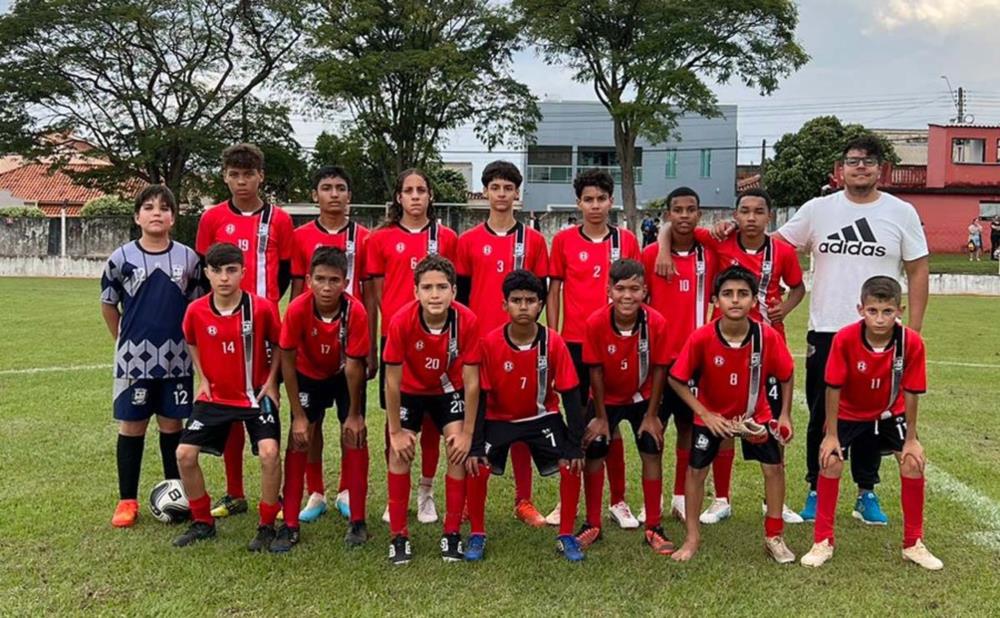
x=569, y=498
x=520, y=461
x=616, y=470
x=356, y=471
x=314, y=477
x=827, y=492
x=295, y=467
x=773, y=526
x=269, y=513
x=399, y=499
x=680, y=471
x=454, y=499
x=477, y=486
x=652, y=489
x=232, y=456
x=201, y=509
x=722, y=472
x=593, y=492
x=912, y=497
x=430, y=448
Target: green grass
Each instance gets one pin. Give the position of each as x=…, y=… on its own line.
x=58, y=553
x=951, y=263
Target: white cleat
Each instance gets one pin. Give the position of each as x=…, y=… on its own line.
x=677, y=507
x=716, y=512
x=787, y=514
x=385, y=514
x=818, y=555
x=426, y=511
x=642, y=512
x=776, y=548
x=554, y=517
x=622, y=515
x=919, y=554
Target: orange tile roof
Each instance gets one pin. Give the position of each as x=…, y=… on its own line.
x=35, y=183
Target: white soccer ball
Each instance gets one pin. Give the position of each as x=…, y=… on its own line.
x=168, y=502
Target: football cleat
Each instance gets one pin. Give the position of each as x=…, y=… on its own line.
x=716, y=512
x=568, y=546
x=818, y=555
x=126, y=513
x=776, y=548
x=677, y=508
x=227, y=505
x=919, y=554
x=475, y=548
x=357, y=534
x=262, y=541
x=642, y=512
x=808, y=512
x=451, y=548
x=343, y=503
x=788, y=515
x=658, y=540
x=526, y=512
x=555, y=516
x=385, y=514
x=316, y=507
x=587, y=535
x=426, y=511
x=399, y=550
x=286, y=538
x=622, y=515
x=198, y=531
x=868, y=510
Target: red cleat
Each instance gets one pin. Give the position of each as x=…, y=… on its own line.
x=125, y=514
x=526, y=512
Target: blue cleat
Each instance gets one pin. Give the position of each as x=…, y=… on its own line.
x=315, y=507
x=475, y=547
x=869, y=511
x=344, y=504
x=808, y=512
x=569, y=546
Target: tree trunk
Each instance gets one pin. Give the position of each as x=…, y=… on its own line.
x=625, y=148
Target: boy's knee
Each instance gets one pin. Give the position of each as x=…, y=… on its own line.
x=132, y=429
x=267, y=452
x=187, y=455
x=833, y=470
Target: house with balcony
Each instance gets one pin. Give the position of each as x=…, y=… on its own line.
x=575, y=135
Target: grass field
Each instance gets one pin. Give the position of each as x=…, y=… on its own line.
x=59, y=554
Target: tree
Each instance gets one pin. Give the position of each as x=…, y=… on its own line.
x=348, y=151
x=410, y=70
x=149, y=83
x=648, y=59
x=449, y=185
x=803, y=160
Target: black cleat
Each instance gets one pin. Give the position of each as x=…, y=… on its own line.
x=265, y=534
x=357, y=534
x=228, y=505
x=451, y=548
x=198, y=531
x=399, y=550
x=284, y=540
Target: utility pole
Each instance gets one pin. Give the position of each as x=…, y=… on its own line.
x=763, y=157
x=961, y=105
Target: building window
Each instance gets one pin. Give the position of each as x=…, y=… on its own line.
x=671, y=164
x=550, y=164
x=604, y=157
x=706, y=163
x=966, y=150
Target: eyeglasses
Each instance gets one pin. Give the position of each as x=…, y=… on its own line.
x=859, y=161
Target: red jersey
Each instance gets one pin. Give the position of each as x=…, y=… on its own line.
x=784, y=268
x=722, y=372
x=582, y=265
x=864, y=376
x=352, y=238
x=264, y=236
x=677, y=299
x=322, y=346
x=393, y=253
x=235, y=371
x=486, y=257
x=627, y=359
x=509, y=375
x=432, y=365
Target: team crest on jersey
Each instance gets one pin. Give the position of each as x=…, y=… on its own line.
x=315, y=332
x=508, y=366
x=584, y=256
x=230, y=229
x=139, y=396
x=612, y=349
x=177, y=272
x=213, y=331
x=420, y=344
x=400, y=247
x=247, y=327
x=719, y=361
x=487, y=249
x=862, y=366
x=702, y=442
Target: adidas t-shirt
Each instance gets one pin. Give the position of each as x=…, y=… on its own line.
x=850, y=243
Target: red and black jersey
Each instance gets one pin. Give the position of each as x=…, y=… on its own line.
x=678, y=299
x=235, y=350
x=394, y=252
x=352, y=239
x=322, y=346
x=486, y=256
x=432, y=362
x=509, y=375
x=582, y=265
x=627, y=359
x=865, y=377
x=780, y=257
x=722, y=373
x=264, y=236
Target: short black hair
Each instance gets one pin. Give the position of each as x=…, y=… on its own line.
x=223, y=253
x=735, y=273
x=161, y=192
x=870, y=144
x=626, y=269
x=683, y=192
x=330, y=171
x=594, y=177
x=755, y=192
x=504, y=170
x=333, y=257
x=882, y=288
x=434, y=263
x=522, y=280
x=243, y=157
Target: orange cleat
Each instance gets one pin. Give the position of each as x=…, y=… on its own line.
x=125, y=514
x=526, y=512
x=657, y=539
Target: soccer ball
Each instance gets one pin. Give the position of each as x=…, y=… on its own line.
x=168, y=502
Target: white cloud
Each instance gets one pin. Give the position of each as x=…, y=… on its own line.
x=939, y=14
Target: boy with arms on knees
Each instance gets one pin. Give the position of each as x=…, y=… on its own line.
x=431, y=356
x=231, y=335
x=728, y=360
x=626, y=349
x=874, y=375
x=145, y=290
x=523, y=367
x=324, y=345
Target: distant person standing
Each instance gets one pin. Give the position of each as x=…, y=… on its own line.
x=995, y=237
x=571, y=223
x=975, y=243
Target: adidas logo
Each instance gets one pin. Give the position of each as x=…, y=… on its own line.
x=855, y=239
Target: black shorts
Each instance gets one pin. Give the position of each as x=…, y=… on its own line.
x=546, y=438
x=443, y=410
x=208, y=427
x=705, y=446
x=582, y=370
x=316, y=396
x=773, y=396
x=673, y=405
x=138, y=400
x=886, y=436
x=632, y=413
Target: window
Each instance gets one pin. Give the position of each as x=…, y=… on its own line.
x=706, y=163
x=550, y=164
x=966, y=150
x=605, y=157
x=671, y=164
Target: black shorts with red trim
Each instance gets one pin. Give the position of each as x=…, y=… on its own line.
x=316, y=396
x=208, y=427
x=546, y=437
x=885, y=436
x=633, y=413
x=443, y=410
x=673, y=405
x=705, y=446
